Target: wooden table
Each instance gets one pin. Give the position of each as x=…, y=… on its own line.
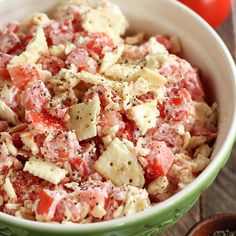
x=221, y=196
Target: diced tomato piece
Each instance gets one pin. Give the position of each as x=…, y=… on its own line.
x=43, y=123
x=39, y=139
x=83, y=163
x=194, y=87
x=67, y=205
x=79, y=166
x=164, y=40
x=16, y=139
x=21, y=75
x=167, y=133
x=4, y=60
x=81, y=59
x=44, y=204
x=106, y=95
x=58, y=113
x=159, y=159
x=111, y=120
x=178, y=109
x=47, y=203
x=182, y=75
x=51, y=63
x=13, y=26
x=147, y=97
x=3, y=125
x=95, y=193
x=62, y=148
x=8, y=41
x=26, y=185
x=74, y=14
x=58, y=33
x=201, y=130
x=99, y=43
x=36, y=95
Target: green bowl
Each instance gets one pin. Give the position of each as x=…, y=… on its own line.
x=204, y=48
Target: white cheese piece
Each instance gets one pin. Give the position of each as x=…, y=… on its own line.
x=136, y=200
x=7, y=114
x=35, y=48
x=144, y=115
x=153, y=77
x=9, y=189
x=99, y=20
x=120, y=165
x=83, y=118
x=123, y=72
x=98, y=212
x=110, y=58
x=28, y=141
x=45, y=170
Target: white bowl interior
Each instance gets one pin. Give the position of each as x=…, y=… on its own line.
x=201, y=46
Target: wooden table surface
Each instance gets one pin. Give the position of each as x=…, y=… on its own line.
x=221, y=196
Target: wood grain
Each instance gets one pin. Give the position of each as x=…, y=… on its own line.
x=221, y=196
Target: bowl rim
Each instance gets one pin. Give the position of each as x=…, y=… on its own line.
x=142, y=217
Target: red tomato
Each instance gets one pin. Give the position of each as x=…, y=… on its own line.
x=63, y=147
x=213, y=11
x=8, y=42
x=16, y=139
x=110, y=120
x=43, y=123
x=45, y=203
x=25, y=185
x=164, y=40
x=21, y=75
x=79, y=166
x=184, y=76
x=58, y=33
x=66, y=206
x=3, y=125
x=51, y=63
x=165, y=132
x=201, y=130
x=36, y=95
x=98, y=42
x=178, y=109
x=93, y=196
x=4, y=60
x=81, y=59
x=159, y=159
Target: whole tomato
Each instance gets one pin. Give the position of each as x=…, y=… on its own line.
x=213, y=11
